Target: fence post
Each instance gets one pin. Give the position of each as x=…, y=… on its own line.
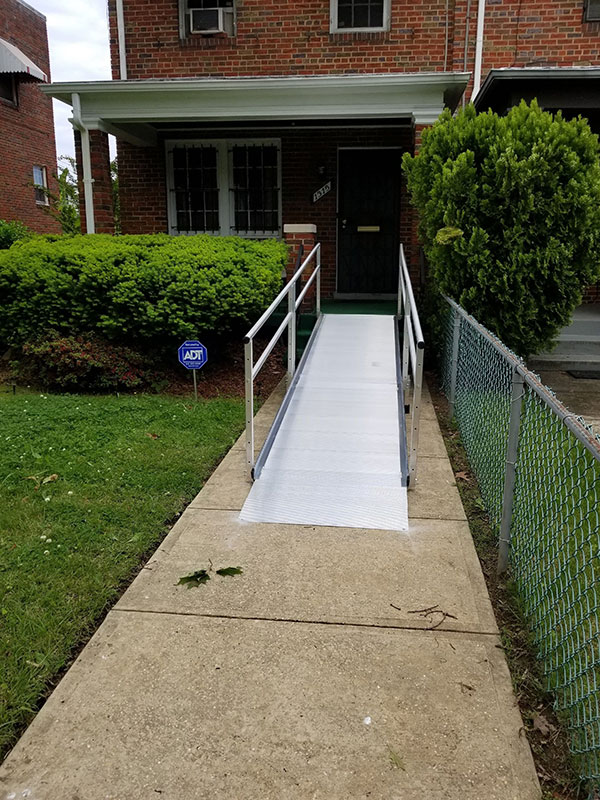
x=514, y=428
x=454, y=362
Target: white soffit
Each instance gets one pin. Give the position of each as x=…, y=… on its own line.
x=420, y=96
x=14, y=60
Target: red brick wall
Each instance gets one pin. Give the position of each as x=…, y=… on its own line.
x=142, y=173
x=104, y=218
x=27, y=131
x=282, y=38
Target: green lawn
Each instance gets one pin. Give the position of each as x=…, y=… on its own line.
x=116, y=470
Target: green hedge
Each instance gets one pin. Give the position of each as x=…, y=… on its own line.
x=144, y=290
x=12, y=231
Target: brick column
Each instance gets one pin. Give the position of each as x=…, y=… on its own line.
x=103, y=201
x=296, y=235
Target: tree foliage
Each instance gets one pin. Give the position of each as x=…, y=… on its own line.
x=12, y=231
x=510, y=217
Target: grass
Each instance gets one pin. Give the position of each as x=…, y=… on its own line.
x=88, y=486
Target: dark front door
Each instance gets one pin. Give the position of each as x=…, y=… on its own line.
x=368, y=221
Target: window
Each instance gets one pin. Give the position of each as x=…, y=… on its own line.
x=8, y=88
x=206, y=17
x=592, y=11
x=40, y=185
x=224, y=187
x=360, y=15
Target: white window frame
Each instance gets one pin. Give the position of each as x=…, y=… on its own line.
x=37, y=186
x=333, y=20
x=225, y=186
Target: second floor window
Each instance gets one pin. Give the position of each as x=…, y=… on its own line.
x=206, y=17
x=360, y=15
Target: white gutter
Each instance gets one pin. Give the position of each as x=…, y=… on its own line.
x=478, y=48
x=121, y=40
x=88, y=181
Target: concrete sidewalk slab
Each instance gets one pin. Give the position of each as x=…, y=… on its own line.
x=337, y=575
x=186, y=694
x=249, y=709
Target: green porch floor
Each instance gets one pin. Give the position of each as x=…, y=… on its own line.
x=359, y=307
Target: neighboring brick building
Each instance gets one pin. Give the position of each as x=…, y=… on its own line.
x=27, y=146
x=290, y=118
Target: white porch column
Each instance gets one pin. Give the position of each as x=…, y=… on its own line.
x=88, y=181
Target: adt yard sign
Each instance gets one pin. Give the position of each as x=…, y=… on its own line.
x=192, y=355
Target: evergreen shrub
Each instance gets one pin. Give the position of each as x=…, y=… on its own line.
x=510, y=217
x=144, y=291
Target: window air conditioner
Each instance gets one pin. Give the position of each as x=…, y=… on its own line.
x=211, y=20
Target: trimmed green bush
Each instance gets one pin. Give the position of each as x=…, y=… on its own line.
x=510, y=217
x=147, y=291
x=11, y=232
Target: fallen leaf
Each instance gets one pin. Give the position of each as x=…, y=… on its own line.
x=541, y=724
x=51, y=478
x=462, y=476
x=395, y=760
x=153, y=435
x=195, y=579
x=229, y=572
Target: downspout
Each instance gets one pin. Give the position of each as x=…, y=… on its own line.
x=121, y=40
x=466, y=47
x=478, y=48
x=86, y=160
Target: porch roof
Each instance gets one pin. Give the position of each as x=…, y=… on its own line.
x=130, y=109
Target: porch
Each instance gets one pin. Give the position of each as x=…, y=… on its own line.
x=302, y=158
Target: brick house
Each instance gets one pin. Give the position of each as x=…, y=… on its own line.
x=290, y=118
x=27, y=146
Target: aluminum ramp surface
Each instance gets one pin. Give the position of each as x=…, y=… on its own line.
x=336, y=457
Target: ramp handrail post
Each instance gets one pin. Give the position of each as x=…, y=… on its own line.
x=514, y=426
x=318, y=268
x=249, y=386
x=454, y=362
x=291, y=346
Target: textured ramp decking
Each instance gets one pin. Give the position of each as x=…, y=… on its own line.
x=336, y=458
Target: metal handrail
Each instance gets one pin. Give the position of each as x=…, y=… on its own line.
x=413, y=345
x=289, y=321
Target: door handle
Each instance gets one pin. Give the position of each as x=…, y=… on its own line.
x=344, y=224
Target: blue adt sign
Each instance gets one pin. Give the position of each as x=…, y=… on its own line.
x=192, y=354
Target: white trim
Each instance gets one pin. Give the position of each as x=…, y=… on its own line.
x=333, y=20
x=224, y=182
x=478, y=48
x=86, y=161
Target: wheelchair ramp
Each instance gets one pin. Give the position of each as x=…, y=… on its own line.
x=336, y=457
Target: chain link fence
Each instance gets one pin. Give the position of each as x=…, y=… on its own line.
x=538, y=469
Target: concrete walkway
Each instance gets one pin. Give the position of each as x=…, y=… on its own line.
x=297, y=679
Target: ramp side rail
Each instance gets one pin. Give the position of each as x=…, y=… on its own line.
x=294, y=298
x=413, y=350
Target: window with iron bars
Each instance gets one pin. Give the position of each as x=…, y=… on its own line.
x=224, y=187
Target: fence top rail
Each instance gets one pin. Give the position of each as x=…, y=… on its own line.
x=420, y=341
x=573, y=422
x=282, y=295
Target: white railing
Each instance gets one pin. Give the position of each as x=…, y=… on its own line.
x=413, y=351
x=289, y=321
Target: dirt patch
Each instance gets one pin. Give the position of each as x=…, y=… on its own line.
x=549, y=743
